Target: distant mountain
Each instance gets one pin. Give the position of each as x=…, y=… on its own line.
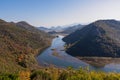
x=57, y=29
x=100, y=38
x=73, y=28
x=62, y=29
x=53, y=32
x=45, y=29
x=19, y=43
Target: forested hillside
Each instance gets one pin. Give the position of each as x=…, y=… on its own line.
x=19, y=45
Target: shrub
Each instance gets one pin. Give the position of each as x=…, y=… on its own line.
x=40, y=75
x=9, y=77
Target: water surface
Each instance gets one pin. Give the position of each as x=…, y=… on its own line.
x=62, y=59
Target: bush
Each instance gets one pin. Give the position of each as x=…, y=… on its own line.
x=63, y=76
x=40, y=75
x=9, y=77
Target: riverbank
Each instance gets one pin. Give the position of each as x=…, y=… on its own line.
x=99, y=61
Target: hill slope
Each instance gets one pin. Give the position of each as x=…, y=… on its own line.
x=19, y=45
x=100, y=38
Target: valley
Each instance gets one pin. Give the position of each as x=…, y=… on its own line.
x=59, y=39
x=27, y=53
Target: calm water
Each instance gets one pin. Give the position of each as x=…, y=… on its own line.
x=62, y=59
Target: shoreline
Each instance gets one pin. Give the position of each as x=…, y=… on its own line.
x=99, y=61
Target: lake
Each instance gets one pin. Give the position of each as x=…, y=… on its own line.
x=55, y=55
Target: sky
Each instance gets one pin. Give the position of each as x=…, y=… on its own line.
x=58, y=12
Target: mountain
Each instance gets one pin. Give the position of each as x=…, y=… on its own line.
x=19, y=43
x=62, y=29
x=53, y=32
x=100, y=38
x=56, y=29
x=44, y=29
x=27, y=26
x=71, y=29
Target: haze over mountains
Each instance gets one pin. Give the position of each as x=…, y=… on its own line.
x=73, y=28
x=100, y=38
x=62, y=29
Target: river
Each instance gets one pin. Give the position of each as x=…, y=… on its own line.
x=55, y=55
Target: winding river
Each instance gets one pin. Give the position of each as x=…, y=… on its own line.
x=56, y=55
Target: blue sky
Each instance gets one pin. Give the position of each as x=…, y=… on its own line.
x=58, y=12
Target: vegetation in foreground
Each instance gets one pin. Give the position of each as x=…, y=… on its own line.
x=53, y=73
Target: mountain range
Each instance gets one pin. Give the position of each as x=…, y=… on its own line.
x=62, y=29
